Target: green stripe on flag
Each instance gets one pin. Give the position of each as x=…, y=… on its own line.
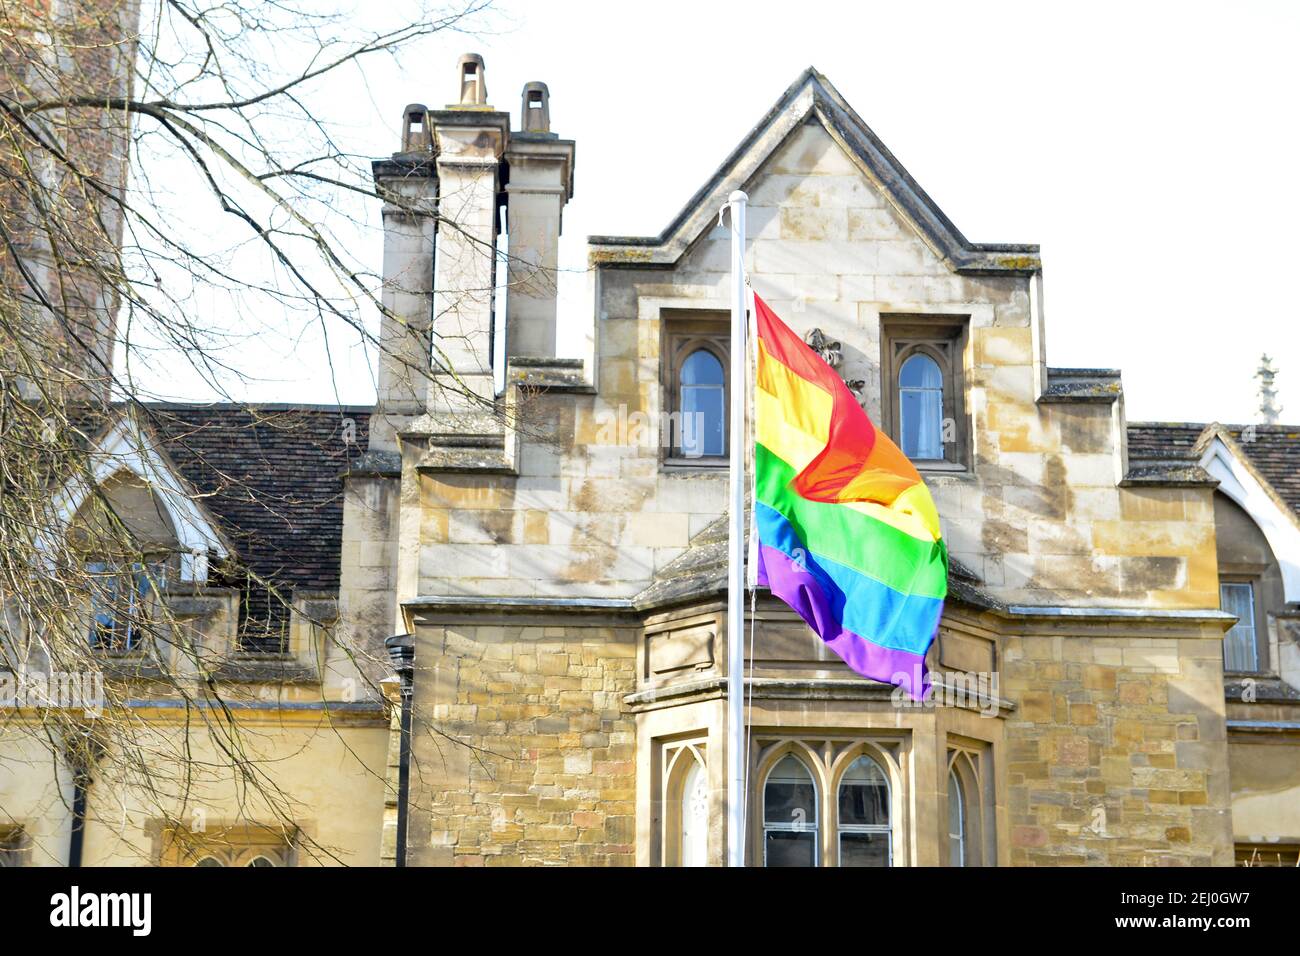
x=853, y=539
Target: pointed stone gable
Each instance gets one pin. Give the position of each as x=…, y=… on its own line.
x=814, y=214
x=786, y=141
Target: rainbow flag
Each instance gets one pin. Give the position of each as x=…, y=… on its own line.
x=848, y=535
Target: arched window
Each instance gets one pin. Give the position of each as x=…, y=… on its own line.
x=969, y=839
x=685, y=797
x=695, y=817
x=790, y=815
x=235, y=846
x=703, y=423
x=920, y=404
x=957, y=828
x=865, y=836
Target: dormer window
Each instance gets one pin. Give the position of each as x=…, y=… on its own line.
x=264, y=618
x=1250, y=589
x=119, y=601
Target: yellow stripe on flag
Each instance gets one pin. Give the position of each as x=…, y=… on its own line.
x=912, y=513
x=792, y=418
x=791, y=413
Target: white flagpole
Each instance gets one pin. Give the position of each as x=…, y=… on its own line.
x=736, y=545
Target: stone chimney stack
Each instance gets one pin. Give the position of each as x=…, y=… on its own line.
x=469, y=138
x=540, y=183
x=410, y=190
x=445, y=188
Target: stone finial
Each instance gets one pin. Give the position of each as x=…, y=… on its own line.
x=472, y=76
x=1268, y=407
x=535, y=112
x=417, y=132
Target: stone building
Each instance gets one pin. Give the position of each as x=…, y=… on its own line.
x=561, y=568
x=1119, y=678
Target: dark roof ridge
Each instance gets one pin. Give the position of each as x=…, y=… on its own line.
x=1275, y=426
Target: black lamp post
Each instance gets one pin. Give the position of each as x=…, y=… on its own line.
x=401, y=652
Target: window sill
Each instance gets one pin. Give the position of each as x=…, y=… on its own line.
x=943, y=470
x=1266, y=689
x=131, y=666
x=250, y=669
x=134, y=654
x=696, y=464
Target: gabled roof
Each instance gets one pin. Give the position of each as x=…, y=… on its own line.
x=259, y=485
x=271, y=477
x=1272, y=450
x=1257, y=466
x=812, y=97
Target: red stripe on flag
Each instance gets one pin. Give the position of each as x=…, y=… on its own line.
x=854, y=449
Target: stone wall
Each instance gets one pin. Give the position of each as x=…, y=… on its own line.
x=1117, y=752
x=522, y=754
x=586, y=515
x=368, y=598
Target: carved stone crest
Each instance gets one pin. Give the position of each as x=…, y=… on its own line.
x=832, y=353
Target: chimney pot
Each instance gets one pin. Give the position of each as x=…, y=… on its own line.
x=417, y=133
x=473, y=81
x=536, y=108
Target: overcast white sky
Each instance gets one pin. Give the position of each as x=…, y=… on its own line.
x=1149, y=147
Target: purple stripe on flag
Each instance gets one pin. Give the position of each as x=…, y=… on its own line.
x=794, y=585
